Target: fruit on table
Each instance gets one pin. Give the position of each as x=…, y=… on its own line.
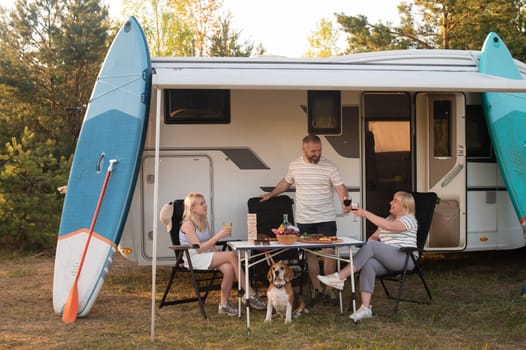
x=289, y=230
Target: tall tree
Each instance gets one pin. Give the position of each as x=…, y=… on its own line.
x=225, y=41
x=56, y=49
x=51, y=51
x=203, y=18
x=323, y=42
x=448, y=24
x=164, y=26
x=187, y=28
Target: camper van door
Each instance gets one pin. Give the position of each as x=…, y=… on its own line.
x=441, y=165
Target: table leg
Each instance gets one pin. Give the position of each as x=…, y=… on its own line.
x=239, y=294
x=340, y=292
x=247, y=286
x=353, y=290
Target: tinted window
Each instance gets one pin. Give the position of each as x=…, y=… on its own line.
x=478, y=144
x=324, y=112
x=442, y=128
x=189, y=106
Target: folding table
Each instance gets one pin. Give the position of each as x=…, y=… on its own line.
x=245, y=250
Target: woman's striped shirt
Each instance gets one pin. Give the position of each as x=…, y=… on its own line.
x=402, y=239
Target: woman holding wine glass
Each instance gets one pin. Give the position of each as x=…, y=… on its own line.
x=382, y=252
x=348, y=202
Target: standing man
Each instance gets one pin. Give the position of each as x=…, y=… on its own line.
x=314, y=177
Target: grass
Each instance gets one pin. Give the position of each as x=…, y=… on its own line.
x=476, y=305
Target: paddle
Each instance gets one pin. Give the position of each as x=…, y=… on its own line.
x=72, y=302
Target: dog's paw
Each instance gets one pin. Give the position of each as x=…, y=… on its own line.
x=299, y=313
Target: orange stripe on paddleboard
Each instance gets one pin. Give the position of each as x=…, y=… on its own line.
x=523, y=220
x=85, y=230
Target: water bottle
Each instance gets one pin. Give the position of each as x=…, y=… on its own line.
x=285, y=223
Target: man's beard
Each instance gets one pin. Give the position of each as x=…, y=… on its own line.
x=313, y=159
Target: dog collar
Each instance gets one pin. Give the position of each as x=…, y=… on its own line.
x=279, y=286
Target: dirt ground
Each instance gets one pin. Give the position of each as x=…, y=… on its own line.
x=477, y=305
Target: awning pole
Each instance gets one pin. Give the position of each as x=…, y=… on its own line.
x=155, y=205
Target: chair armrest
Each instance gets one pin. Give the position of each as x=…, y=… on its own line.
x=223, y=244
x=184, y=247
x=408, y=249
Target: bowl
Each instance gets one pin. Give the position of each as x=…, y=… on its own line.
x=287, y=239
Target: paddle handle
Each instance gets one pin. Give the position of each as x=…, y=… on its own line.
x=71, y=307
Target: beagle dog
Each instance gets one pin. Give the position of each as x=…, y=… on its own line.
x=280, y=295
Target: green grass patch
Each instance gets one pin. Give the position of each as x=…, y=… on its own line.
x=476, y=305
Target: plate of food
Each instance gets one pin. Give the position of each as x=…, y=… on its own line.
x=319, y=238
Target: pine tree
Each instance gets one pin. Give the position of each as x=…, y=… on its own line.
x=50, y=54
x=446, y=24
x=225, y=42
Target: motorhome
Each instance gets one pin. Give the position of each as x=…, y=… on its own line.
x=399, y=120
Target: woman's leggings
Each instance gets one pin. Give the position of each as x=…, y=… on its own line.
x=375, y=259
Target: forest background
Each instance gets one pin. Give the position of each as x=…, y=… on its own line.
x=51, y=52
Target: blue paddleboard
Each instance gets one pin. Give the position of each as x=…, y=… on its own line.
x=114, y=128
x=506, y=119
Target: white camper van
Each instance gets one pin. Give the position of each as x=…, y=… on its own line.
x=397, y=120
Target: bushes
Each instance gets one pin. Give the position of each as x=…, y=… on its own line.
x=30, y=205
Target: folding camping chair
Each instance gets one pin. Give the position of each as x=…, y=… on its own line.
x=269, y=215
x=203, y=281
x=425, y=203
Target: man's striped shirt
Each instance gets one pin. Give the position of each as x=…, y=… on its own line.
x=314, y=189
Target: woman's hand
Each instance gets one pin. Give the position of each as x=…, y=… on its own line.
x=357, y=211
x=375, y=236
x=225, y=232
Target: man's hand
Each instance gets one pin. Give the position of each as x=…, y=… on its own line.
x=265, y=197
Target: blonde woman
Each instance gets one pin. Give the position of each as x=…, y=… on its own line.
x=381, y=254
x=195, y=229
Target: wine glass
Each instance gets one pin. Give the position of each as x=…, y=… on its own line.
x=354, y=206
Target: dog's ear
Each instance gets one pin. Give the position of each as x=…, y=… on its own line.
x=270, y=274
x=289, y=274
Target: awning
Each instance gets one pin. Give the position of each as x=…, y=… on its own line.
x=403, y=70
x=320, y=79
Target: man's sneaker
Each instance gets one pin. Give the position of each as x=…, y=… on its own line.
x=228, y=309
x=332, y=280
x=361, y=313
x=319, y=296
x=255, y=302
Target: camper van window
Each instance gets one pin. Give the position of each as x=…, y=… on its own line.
x=387, y=106
x=442, y=128
x=197, y=106
x=478, y=144
x=324, y=112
